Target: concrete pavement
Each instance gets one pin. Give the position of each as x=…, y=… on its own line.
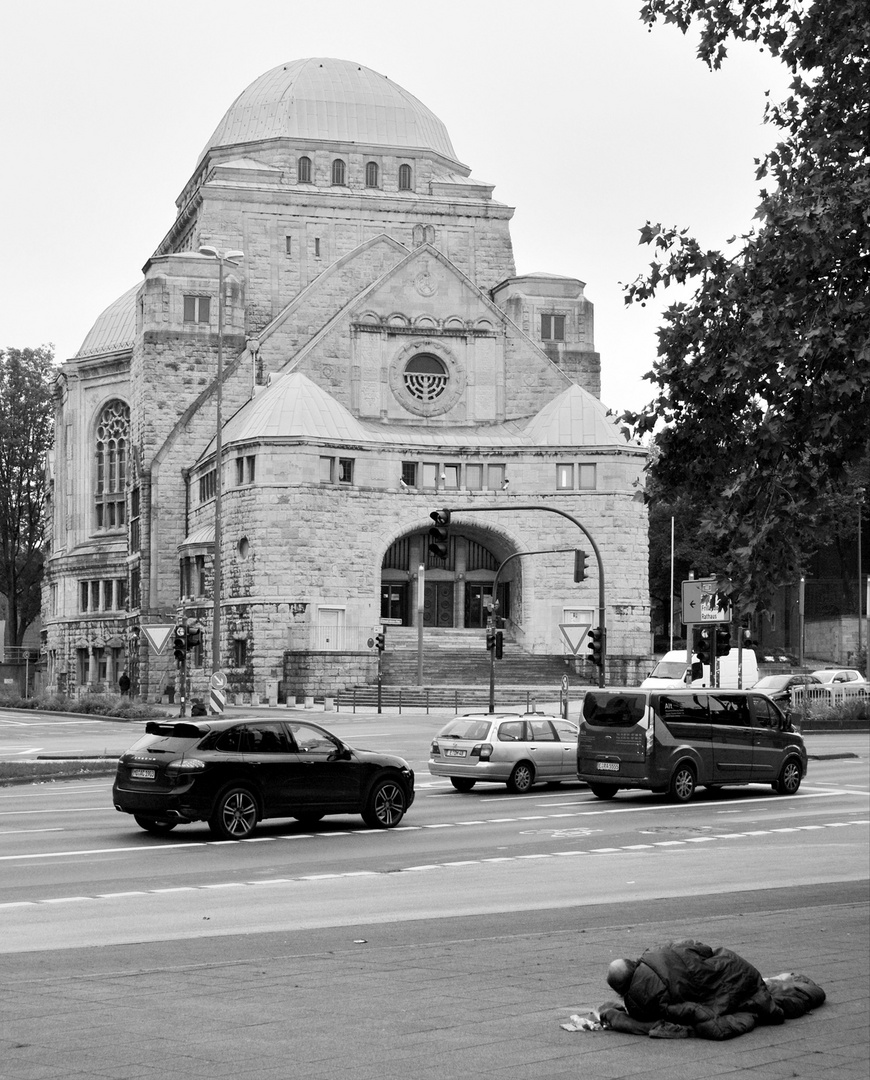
x=469, y=997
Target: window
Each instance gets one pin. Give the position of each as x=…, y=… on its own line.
x=409, y=473
x=135, y=538
x=345, y=470
x=104, y=594
x=450, y=476
x=495, y=477
x=565, y=477
x=197, y=309
x=404, y=178
x=317, y=247
x=135, y=588
x=304, y=171
x=474, y=477
x=240, y=652
x=541, y=731
x=430, y=474
x=246, y=470
x=327, y=466
x=207, y=486
x=113, y=432
x=425, y=377
x=587, y=479
x=339, y=173
x=729, y=709
x=288, y=245
x=552, y=327
x=372, y=174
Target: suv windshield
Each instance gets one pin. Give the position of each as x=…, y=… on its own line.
x=613, y=710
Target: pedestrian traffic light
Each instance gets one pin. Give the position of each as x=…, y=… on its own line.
x=499, y=645
x=380, y=641
x=581, y=565
x=179, y=643
x=596, y=646
x=490, y=639
x=438, y=535
x=194, y=637
x=748, y=641
x=723, y=641
x=703, y=647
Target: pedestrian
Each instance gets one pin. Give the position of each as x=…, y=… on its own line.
x=198, y=708
x=124, y=684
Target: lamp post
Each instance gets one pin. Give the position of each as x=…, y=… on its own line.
x=223, y=258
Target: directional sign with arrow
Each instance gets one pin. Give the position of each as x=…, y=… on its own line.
x=702, y=603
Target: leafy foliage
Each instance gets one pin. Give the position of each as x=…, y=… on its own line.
x=25, y=438
x=762, y=403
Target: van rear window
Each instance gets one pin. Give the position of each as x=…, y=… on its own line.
x=613, y=710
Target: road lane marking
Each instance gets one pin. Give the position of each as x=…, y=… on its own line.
x=420, y=868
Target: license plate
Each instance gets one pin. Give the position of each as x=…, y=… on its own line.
x=143, y=774
x=454, y=753
x=607, y=766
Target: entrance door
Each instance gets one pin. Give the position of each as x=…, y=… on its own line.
x=438, y=603
x=394, y=601
x=476, y=598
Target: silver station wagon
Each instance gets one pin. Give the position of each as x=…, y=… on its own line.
x=517, y=749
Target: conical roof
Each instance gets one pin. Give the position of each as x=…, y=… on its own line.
x=574, y=418
x=115, y=328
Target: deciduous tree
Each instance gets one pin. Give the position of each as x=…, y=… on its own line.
x=25, y=438
x=763, y=399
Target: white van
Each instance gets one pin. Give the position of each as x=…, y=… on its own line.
x=672, y=672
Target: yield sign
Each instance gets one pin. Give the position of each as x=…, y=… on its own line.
x=158, y=636
x=574, y=633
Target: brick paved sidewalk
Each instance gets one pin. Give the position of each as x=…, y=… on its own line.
x=470, y=997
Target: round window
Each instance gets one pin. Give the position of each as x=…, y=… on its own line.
x=425, y=377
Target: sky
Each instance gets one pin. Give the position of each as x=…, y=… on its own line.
x=587, y=124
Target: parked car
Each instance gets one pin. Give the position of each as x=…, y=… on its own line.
x=779, y=687
x=517, y=749
x=234, y=773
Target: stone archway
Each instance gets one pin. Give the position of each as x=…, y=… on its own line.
x=456, y=589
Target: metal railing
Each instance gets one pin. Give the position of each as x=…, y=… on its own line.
x=428, y=698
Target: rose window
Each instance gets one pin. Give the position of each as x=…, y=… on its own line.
x=425, y=377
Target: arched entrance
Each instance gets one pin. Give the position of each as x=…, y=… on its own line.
x=456, y=588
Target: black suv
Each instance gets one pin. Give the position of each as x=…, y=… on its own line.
x=232, y=773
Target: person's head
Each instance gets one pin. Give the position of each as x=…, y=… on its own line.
x=619, y=975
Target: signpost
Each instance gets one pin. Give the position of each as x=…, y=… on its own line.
x=217, y=692
x=702, y=603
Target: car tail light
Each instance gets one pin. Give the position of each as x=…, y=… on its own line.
x=434, y=748
x=185, y=765
x=482, y=750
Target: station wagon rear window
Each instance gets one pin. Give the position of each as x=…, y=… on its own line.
x=613, y=710
x=466, y=729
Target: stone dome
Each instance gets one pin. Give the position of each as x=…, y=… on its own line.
x=115, y=328
x=334, y=101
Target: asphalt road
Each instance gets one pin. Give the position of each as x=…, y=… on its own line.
x=76, y=873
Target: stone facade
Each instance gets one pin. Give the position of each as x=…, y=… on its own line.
x=380, y=359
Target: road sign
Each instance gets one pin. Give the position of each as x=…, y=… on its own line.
x=574, y=633
x=703, y=604
x=218, y=680
x=158, y=635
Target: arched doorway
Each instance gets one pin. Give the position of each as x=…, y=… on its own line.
x=456, y=588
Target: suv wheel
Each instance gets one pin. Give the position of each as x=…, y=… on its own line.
x=234, y=815
x=386, y=805
x=682, y=785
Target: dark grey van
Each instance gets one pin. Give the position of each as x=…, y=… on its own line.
x=676, y=740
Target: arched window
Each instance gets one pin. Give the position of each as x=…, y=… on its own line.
x=112, y=441
x=425, y=377
x=339, y=173
x=405, y=178
x=372, y=174
x=304, y=170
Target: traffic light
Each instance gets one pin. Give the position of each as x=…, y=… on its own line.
x=703, y=647
x=490, y=639
x=723, y=641
x=380, y=641
x=748, y=641
x=499, y=645
x=179, y=644
x=581, y=565
x=194, y=637
x=596, y=646
x=438, y=534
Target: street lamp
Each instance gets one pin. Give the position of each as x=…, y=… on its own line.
x=231, y=258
